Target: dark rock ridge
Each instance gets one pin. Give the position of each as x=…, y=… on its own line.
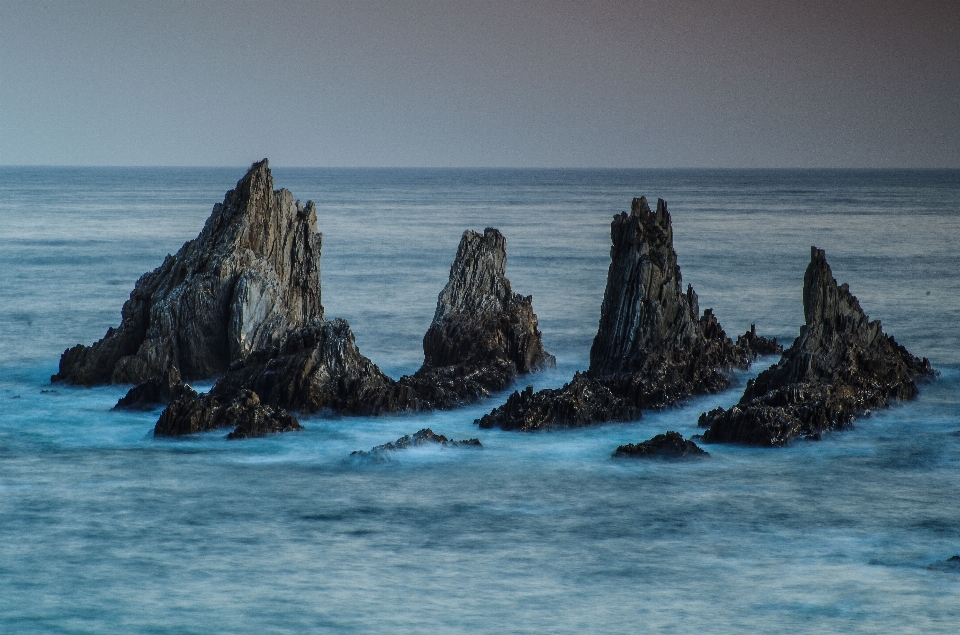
x=841, y=365
x=424, y=437
x=653, y=347
x=759, y=344
x=667, y=446
x=481, y=337
x=250, y=277
x=156, y=391
x=950, y=565
x=194, y=413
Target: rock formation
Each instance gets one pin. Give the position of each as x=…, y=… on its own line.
x=841, y=365
x=424, y=437
x=194, y=413
x=248, y=279
x=758, y=344
x=653, y=347
x=481, y=337
x=666, y=446
x=155, y=391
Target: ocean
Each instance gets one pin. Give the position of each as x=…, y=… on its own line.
x=105, y=529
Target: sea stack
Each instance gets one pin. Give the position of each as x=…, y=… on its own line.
x=250, y=278
x=840, y=366
x=482, y=335
x=653, y=348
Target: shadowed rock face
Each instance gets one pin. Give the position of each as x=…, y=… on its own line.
x=653, y=347
x=481, y=336
x=248, y=279
x=665, y=446
x=841, y=365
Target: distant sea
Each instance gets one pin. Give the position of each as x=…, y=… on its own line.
x=105, y=529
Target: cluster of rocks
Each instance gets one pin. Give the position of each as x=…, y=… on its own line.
x=242, y=301
x=653, y=347
x=424, y=437
x=840, y=366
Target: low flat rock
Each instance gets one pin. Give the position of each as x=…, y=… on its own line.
x=840, y=365
x=155, y=391
x=665, y=446
x=424, y=437
x=243, y=412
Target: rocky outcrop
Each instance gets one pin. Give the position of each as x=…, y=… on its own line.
x=758, y=344
x=201, y=413
x=653, y=347
x=156, y=391
x=424, y=437
x=249, y=278
x=841, y=365
x=582, y=402
x=665, y=446
x=481, y=337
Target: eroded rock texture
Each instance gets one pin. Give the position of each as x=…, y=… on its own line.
x=245, y=413
x=156, y=391
x=424, y=437
x=841, y=365
x=653, y=347
x=665, y=446
x=481, y=337
x=248, y=279
x=758, y=344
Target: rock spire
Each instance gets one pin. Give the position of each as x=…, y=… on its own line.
x=841, y=365
x=248, y=279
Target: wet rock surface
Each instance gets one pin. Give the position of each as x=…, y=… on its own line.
x=250, y=277
x=841, y=365
x=481, y=337
x=424, y=437
x=666, y=446
x=244, y=412
x=156, y=391
x=653, y=347
x=758, y=344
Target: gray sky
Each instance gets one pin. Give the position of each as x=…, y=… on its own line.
x=491, y=83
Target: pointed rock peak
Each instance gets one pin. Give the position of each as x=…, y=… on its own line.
x=479, y=318
x=824, y=301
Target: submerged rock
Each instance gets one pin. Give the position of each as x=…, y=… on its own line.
x=481, y=337
x=194, y=413
x=250, y=277
x=424, y=437
x=841, y=365
x=667, y=446
x=155, y=391
x=950, y=565
x=653, y=347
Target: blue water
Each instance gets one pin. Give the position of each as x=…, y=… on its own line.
x=105, y=529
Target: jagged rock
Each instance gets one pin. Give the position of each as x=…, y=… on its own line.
x=426, y=436
x=667, y=446
x=758, y=344
x=841, y=365
x=653, y=348
x=582, y=402
x=481, y=336
x=250, y=277
x=478, y=317
x=194, y=413
x=155, y=391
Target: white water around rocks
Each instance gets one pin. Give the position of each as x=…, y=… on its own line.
x=105, y=529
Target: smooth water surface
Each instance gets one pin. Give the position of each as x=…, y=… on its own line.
x=105, y=529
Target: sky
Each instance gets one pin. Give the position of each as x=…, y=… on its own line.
x=586, y=83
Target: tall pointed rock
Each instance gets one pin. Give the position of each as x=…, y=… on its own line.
x=841, y=365
x=250, y=277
